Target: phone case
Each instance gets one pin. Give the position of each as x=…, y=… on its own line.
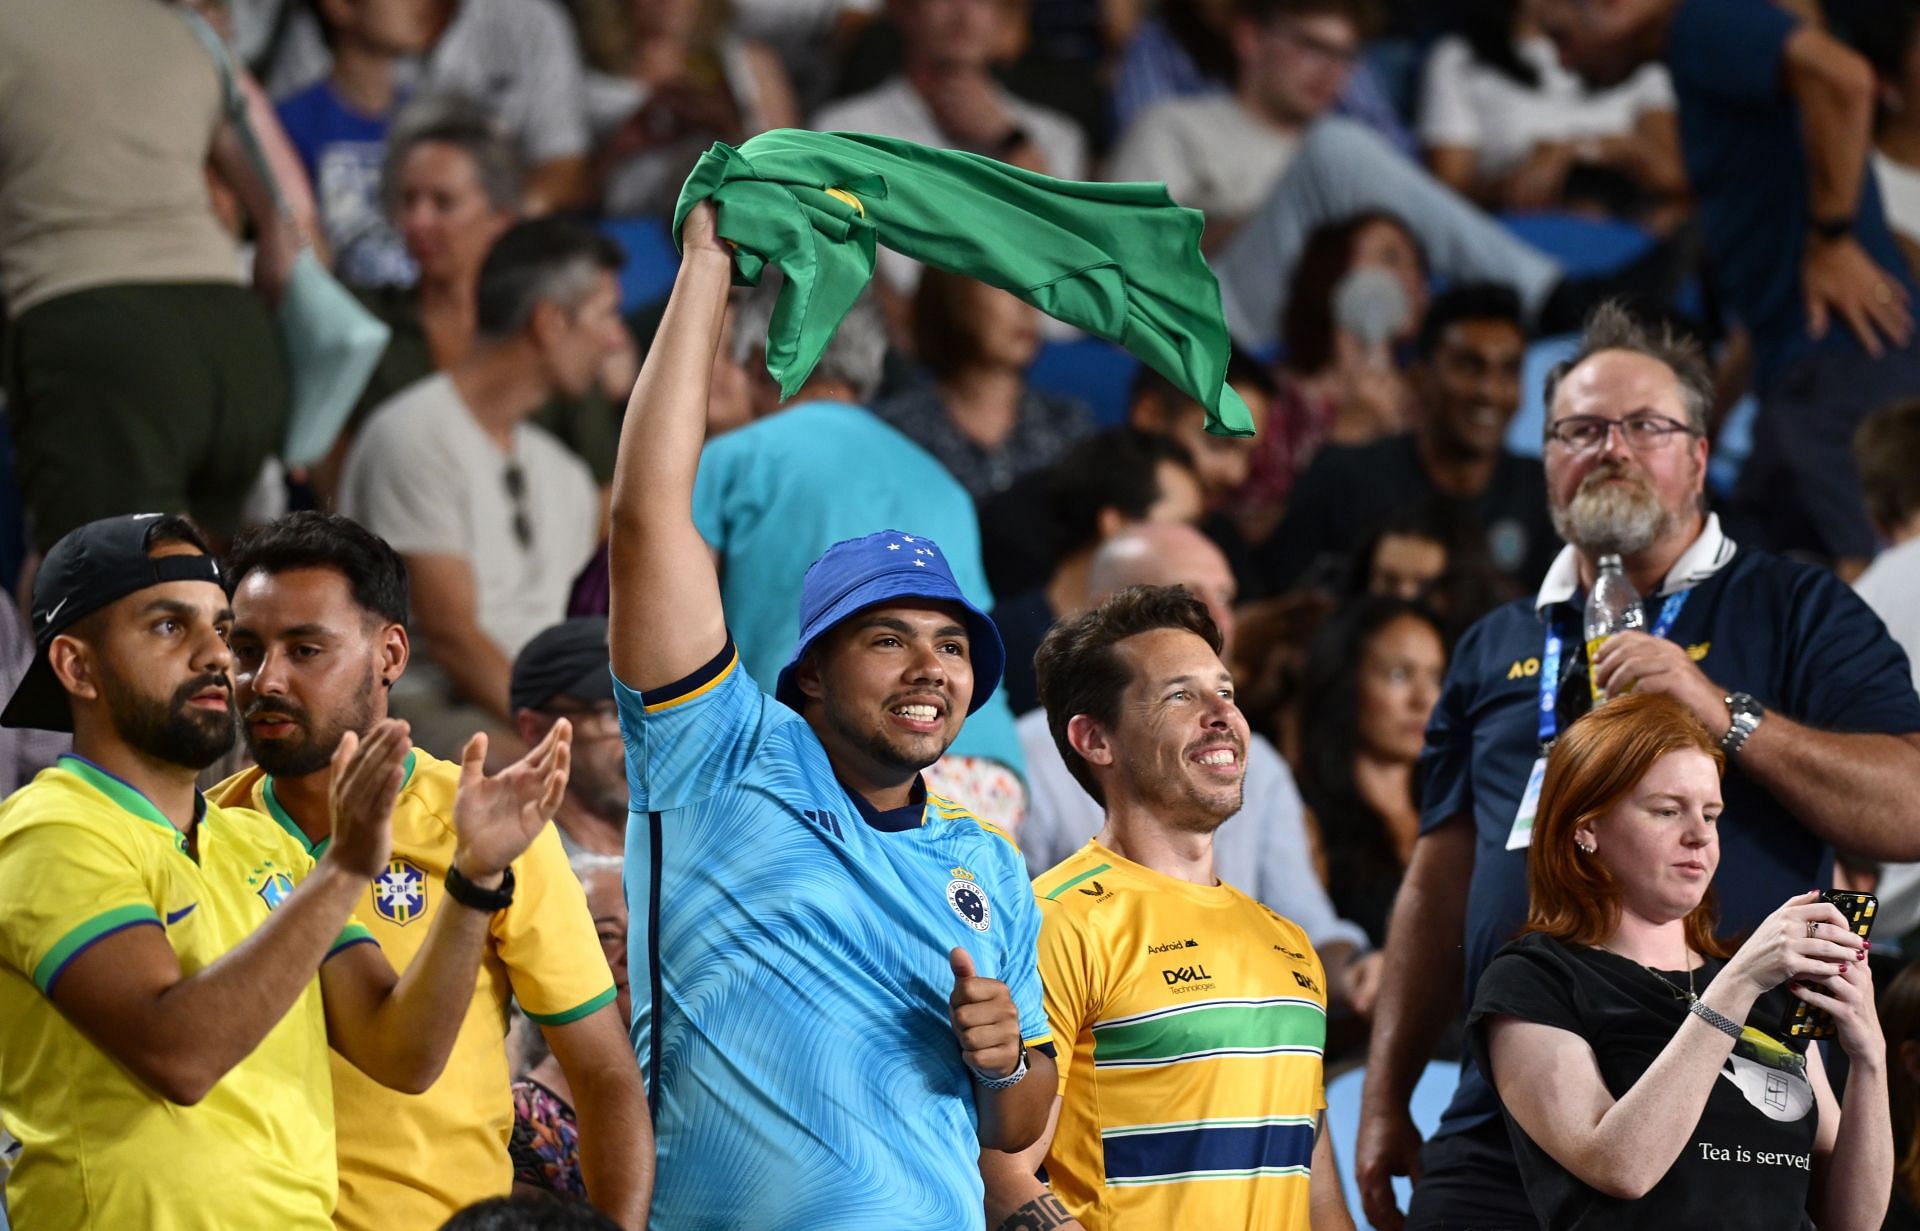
x=1804, y=1021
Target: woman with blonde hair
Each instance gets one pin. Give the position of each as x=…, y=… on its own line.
x=1637, y=1057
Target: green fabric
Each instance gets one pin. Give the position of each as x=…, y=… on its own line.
x=1120, y=261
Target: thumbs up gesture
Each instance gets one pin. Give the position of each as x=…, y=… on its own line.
x=984, y=1019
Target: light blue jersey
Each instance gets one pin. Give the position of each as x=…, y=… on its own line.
x=788, y=960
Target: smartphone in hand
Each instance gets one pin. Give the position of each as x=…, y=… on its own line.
x=1803, y=1021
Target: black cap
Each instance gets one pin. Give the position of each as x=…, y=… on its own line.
x=89, y=568
x=570, y=659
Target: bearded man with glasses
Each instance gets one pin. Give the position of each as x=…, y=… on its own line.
x=1809, y=696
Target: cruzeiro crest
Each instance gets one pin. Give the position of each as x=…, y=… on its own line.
x=400, y=893
x=969, y=900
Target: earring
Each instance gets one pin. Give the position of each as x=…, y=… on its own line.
x=1586, y=848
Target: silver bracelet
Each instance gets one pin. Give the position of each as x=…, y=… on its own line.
x=1002, y=1083
x=1713, y=1017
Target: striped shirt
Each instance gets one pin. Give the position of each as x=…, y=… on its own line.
x=1190, y=1022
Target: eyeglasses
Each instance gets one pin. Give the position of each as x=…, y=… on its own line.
x=1340, y=55
x=1643, y=433
x=516, y=480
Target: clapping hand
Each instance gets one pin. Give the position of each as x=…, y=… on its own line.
x=365, y=781
x=496, y=817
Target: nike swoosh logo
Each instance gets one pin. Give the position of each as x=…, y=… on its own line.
x=53, y=612
x=174, y=917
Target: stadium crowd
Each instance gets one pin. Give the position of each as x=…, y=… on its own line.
x=1083, y=715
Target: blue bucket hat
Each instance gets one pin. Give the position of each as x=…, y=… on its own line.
x=890, y=566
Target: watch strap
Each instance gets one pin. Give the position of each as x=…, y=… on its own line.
x=1002, y=1083
x=472, y=896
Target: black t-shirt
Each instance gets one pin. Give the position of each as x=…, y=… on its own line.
x=1749, y=1161
x=1349, y=490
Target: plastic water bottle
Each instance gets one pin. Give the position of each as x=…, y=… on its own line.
x=1612, y=607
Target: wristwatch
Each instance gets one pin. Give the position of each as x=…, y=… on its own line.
x=1831, y=229
x=1746, y=714
x=1002, y=1083
x=473, y=897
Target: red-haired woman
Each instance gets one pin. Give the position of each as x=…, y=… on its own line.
x=1640, y=1066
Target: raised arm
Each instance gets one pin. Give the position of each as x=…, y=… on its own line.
x=665, y=615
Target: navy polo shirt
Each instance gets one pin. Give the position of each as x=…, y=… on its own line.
x=1792, y=635
x=1741, y=139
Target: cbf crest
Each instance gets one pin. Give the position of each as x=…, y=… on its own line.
x=400, y=893
x=969, y=900
x=274, y=889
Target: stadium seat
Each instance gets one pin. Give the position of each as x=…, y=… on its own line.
x=1430, y=1097
x=1095, y=371
x=1583, y=246
x=652, y=260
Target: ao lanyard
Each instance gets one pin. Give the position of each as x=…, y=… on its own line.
x=1550, y=663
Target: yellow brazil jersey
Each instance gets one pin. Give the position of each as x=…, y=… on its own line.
x=84, y=855
x=1189, y=1021
x=410, y=1161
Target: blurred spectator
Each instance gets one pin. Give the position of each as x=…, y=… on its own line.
x=453, y=186
x=1264, y=850
x=810, y=36
x=23, y=752
x=517, y=58
x=1775, y=119
x=1222, y=154
x=545, y=1145
x=1223, y=463
x=1466, y=384
x=1338, y=378
x=1887, y=33
x=1505, y=124
x=1900, y=1021
x=529, y=1212
x=1434, y=554
x=945, y=96
x=1368, y=685
x=340, y=128
x=770, y=498
x=141, y=373
x=562, y=673
x=1120, y=478
x=1887, y=449
x=492, y=514
x=977, y=414
x=687, y=80
x=1185, y=49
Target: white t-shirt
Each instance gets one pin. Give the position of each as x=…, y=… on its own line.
x=518, y=58
x=1212, y=153
x=895, y=109
x=1262, y=850
x=425, y=476
x=1465, y=103
x=1900, y=196
x=1891, y=586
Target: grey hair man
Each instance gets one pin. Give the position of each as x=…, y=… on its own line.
x=493, y=516
x=820, y=468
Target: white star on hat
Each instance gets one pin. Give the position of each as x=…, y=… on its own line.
x=893, y=547
x=919, y=564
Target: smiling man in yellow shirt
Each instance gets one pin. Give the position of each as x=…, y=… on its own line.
x=319, y=636
x=1190, y=1018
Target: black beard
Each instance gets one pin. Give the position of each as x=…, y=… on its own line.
x=170, y=730
x=303, y=754
x=875, y=744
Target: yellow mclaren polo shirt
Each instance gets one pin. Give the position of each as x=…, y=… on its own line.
x=1190, y=1021
x=410, y=1161
x=84, y=855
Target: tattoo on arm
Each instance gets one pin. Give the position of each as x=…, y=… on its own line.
x=1038, y=1214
